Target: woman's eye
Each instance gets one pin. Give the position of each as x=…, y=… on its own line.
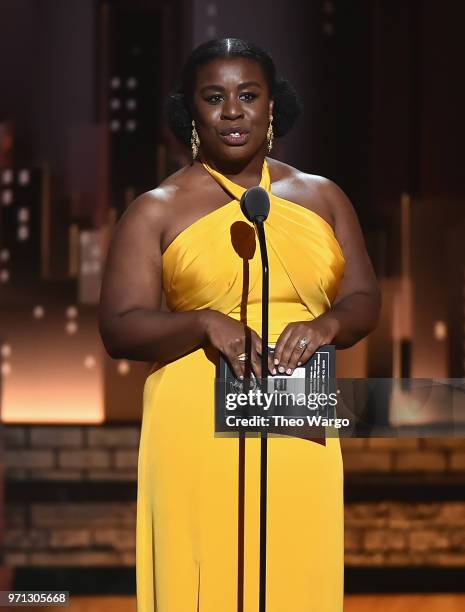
x=249, y=96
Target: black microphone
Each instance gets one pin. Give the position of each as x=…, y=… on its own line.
x=255, y=204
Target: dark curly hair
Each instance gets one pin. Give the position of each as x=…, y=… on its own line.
x=287, y=104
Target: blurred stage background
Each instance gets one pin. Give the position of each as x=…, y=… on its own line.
x=82, y=133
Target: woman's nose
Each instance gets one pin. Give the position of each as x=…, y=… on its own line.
x=231, y=109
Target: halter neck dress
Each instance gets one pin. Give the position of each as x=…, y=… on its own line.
x=197, y=535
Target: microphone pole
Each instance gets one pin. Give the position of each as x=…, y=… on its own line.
x=264, y=434
x=255, y=204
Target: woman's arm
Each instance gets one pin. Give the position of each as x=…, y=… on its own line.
x=355, y=310
x=131, y=322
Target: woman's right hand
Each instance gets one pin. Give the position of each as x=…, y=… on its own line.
x=233, y=338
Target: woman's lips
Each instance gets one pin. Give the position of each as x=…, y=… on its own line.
x=235, y=140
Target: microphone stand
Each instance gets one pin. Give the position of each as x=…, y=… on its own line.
x=264, y=435
x=256, y=207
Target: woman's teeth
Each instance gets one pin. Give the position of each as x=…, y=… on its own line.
x=240, y=137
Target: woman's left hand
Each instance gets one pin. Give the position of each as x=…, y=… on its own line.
x=287, y=355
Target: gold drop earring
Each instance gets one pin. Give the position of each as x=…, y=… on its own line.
x=195, y=141
x=270, y=135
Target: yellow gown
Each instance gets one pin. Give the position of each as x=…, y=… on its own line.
x=197, y=535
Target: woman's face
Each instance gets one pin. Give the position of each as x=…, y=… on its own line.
x=231, y=95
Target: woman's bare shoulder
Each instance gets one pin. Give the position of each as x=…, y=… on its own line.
x=169, y=197
x=325, y=197
x=308, y=190
x=170, y=188
x=287, y=175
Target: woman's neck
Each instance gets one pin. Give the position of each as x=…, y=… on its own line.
x=244, y=172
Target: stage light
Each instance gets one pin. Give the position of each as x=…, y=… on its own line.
x=4, y=255
x=115, y=104
x=211, y=31
x=90, y=362
x=123, y=367
x=115, y=82
x=4, y=276
x=23, y=232
x=72, y=312
x=131, y=83
x=7, y=197
x=5, y=350
x=211, y=10
x=24, y=177
x=23, y=214
x=7, y=176
x=440, y=330
x=6, y=368
x=131, y=104
x=115, y=125
x=38, y=312
x=71, y=327
x=131, y=125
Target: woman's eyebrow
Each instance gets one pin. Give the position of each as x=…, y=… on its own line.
x=240, y=86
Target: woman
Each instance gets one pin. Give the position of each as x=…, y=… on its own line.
x=187, y=241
